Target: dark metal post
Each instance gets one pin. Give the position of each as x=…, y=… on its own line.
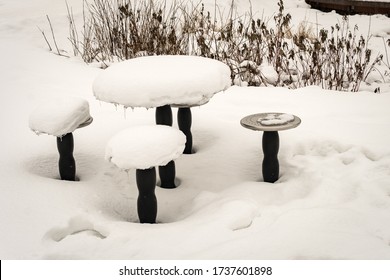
x=147, y=201
x=184, y=120
x=167, y=173
x=66, y=164
x=270, y=161
x=164, y=115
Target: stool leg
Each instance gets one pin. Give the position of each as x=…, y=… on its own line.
x=167, y=175
x=147, y=201
x=184, y=120
x=66, y=163
x=164, y=115
x=270, y=161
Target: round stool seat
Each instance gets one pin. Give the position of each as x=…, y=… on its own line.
x=143, y=147
x=60, y=116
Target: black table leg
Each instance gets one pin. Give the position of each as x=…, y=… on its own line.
x=270, y=161
x=167, y=173
x=66, y=163
x=147, y=201
x=164, y=115
x=184, y=120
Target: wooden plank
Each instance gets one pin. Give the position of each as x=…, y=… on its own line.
x=351, y=7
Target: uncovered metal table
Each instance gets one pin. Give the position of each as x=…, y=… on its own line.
x=270, y=124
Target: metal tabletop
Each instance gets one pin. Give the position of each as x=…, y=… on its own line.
x=257, y=121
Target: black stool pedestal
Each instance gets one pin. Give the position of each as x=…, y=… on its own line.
x=270, y=166
x=147, y=201
x=66, y=163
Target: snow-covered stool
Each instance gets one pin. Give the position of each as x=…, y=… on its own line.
x=161, y=82
x=60, y=117
x=270, y=123
x=142, y=148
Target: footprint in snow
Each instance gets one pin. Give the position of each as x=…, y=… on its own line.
x=76, y=226
x=234, y=214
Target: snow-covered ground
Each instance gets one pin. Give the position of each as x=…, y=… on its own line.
x=332, y=200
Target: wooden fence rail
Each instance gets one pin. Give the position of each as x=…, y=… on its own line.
x=350, y=7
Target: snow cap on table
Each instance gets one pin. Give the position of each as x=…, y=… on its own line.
x=154, y=81
x=146, y=146
x=59, y=116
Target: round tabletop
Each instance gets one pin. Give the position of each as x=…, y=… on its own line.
x=154, y=81
x=270, y=121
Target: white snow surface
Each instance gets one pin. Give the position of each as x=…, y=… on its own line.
x=59, y=116
x=332, y=200
x=142, y=147
x=152, y=81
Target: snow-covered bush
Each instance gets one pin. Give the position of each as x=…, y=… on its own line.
x=338, y=59
x=258, y=51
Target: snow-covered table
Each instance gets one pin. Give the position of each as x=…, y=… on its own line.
x=270, y=124
x=142, y=148
x=60, y=117
x=161, y=82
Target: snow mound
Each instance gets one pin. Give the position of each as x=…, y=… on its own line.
x=154, y=81
x=146, y=146
x=269, y=74
x=59, y=116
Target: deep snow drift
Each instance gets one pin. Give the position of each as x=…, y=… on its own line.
x=332, y=200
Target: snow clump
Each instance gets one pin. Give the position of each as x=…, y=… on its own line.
x=59, y=116
x=154, y=81
x=276, y=119
x=145, y=146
